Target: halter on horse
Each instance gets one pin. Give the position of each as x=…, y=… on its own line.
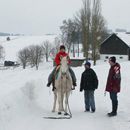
x=63, y=85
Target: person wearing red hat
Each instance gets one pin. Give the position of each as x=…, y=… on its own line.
x=57, y=60
x=113, y=84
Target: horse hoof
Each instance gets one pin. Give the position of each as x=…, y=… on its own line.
x=59, y=113
x=66, y=114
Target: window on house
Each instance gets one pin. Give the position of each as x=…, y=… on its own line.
x=121, y=57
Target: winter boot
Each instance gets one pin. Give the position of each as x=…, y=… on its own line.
x=93, y=110
x=87, y=110
x=48, y=84
x=112, y=114
x=74, y=84
x=114, y=109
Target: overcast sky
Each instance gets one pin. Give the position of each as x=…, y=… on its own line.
x=46, y=16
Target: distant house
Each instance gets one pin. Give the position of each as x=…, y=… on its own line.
x=117, y=45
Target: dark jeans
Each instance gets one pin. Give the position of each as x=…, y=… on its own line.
x=113, y=97
x=51, y=75
x=50, y=78
x=89, y=100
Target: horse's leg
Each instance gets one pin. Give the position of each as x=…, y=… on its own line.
x=66, y=101
x=60, y=102
x=54, y=104
x=62, y=99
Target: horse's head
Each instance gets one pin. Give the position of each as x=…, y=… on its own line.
x=64, y=65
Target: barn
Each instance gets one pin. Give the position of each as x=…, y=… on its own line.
x=117, y=45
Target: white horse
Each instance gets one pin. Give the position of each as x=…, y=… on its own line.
x=63, y=85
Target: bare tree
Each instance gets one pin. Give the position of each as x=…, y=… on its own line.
x=92, y=25
x=36, y=55
x=39, y=55
x=67, y=29
x=57, y=44
x=32, y=55
x=55, y=48
x=97, y=28
x=77, y=34
x=2, y=52
x=84, y=20
x=47, y=49
x=23, y=56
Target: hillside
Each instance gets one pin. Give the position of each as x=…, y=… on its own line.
x=19, y=42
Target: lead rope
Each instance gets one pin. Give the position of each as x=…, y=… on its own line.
x=70, y=114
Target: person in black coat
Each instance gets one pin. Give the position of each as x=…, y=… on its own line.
x=89, y=82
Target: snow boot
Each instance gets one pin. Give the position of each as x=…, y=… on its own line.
x=114, y=109
x=112, y=114
x=48, y=84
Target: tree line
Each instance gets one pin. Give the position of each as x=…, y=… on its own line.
x=33, y=55
x=88, y=26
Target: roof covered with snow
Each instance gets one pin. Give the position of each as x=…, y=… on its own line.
x=124, y=37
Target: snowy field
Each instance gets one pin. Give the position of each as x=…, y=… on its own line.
x=25, y=100
x=17, y=43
